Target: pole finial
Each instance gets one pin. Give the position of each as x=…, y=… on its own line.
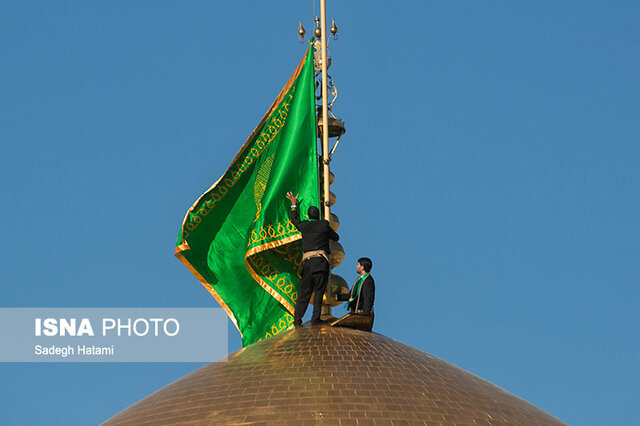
x=301, y=32
x=333, y=30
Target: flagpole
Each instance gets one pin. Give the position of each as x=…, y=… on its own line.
x=325, y=114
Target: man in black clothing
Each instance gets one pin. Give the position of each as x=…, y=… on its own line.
x=363, y=292
x=315, y=267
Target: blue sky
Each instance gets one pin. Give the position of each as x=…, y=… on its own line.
x=489, y=169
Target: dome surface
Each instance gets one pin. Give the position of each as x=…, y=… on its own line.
x=330, y=375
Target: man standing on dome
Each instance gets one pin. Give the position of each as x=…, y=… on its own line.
x=362, y=294
x=315, y=266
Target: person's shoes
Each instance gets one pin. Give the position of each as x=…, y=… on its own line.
x=317, y=322
x=297, y=324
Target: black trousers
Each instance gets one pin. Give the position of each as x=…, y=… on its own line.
x=315, y=275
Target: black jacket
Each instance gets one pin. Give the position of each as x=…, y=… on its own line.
x=367, y=296
x=315, y=233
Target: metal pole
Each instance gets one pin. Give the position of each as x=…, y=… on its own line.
x=326, y=308
x=325, y=113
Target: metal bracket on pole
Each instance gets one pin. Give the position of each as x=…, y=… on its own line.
x=335, y=145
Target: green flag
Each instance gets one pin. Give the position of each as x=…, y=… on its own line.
x=237, y=238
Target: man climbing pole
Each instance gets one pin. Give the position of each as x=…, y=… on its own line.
x=315, y=266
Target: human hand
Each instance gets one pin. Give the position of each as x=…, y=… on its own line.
x=294, y=200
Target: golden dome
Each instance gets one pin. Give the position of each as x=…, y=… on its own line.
x=332, y=375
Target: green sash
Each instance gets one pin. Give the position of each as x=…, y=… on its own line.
x=355, y=293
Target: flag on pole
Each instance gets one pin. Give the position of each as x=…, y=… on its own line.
x=237, y=238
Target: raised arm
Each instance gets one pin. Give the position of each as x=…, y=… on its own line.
x=293, y=213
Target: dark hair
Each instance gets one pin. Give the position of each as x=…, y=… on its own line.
x=366, y=263
x=314, y=213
